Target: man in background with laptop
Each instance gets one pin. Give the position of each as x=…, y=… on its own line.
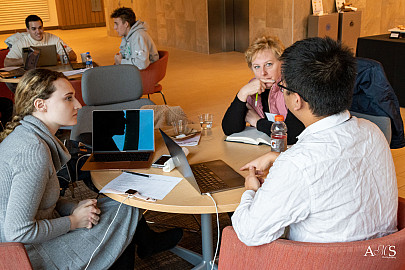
x=137, y=47
x=35, y=37
x=338, y=182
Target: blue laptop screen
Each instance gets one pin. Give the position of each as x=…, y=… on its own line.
x=123, y=130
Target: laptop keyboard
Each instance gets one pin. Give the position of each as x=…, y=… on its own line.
x=112, y=157
x=207, y=180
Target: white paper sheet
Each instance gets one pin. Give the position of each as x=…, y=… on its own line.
x=74, y=72
x=193, y=141
x=156, y=187
x=271, y=116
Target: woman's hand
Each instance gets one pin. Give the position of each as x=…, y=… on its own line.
x=251, y=116
x=85, y=215
x=253, y=87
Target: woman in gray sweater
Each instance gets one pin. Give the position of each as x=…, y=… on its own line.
x=58, y=234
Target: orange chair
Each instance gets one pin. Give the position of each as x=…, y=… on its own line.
x=14, y=256
x=77, y=85
x=153, y=74
x=387, y=252
x=4, y=91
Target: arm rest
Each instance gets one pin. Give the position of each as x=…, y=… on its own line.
x=14, y=256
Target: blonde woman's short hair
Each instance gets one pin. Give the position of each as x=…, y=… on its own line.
x=264, y=43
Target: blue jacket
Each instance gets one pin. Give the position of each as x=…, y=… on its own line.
x=374, y=95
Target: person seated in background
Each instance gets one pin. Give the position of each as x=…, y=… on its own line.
x=137, y=47
x=338, y=182
x=263, y=57
x=36, y=37
x=58, y=233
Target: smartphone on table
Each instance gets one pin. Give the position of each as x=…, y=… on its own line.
x=159, y=163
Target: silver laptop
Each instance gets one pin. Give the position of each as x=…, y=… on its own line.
x=47, y=57
x=74, y=66
x=122, y=139
x=206, y=177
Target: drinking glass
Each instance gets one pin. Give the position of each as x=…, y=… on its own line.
x=180, y=127
x=205, y=120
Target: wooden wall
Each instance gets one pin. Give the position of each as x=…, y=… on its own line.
x=288, y=19
x=182, y=24
x=78, y=14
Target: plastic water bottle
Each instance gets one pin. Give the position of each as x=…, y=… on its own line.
x=89, y=60
x=278, y=134
x=63, y=57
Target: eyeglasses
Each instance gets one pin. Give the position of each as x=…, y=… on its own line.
x=282, y=87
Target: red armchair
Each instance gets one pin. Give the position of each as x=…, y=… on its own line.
x=77, y=85
x=153, y=74
x=286, y=254
x=4, y=91
x=14, y=256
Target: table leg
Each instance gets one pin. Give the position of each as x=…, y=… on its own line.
x=204, y=261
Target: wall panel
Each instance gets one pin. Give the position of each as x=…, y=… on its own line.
x=78, y=14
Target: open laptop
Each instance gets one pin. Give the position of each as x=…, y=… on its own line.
x=206, y=177
x=74, y=66
x=122, y=139
x=47, y=57
x=31, y=61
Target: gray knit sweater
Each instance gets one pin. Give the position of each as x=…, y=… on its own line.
x=32, y=213
x=30, y=209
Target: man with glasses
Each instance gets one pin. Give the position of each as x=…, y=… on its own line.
x=338, y=182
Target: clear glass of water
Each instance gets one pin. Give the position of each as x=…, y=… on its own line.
x=180, y=127
x=205, y=120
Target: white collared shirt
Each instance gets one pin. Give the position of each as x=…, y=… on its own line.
x=336, y=184
x=26, y=41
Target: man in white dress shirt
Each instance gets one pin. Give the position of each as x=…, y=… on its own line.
x=338, y=182
x=35, y=37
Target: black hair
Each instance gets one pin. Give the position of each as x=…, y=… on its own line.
x=322, y=71
x=32, y=18
x=126, y=15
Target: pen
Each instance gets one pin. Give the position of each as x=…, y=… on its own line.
x=139, y=174
x=257, y=94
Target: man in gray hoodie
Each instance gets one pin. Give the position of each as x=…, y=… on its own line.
x=137, y=47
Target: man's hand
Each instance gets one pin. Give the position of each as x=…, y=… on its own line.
x=262, y=163
x=117, y=58
x=252, y=181
x=13, y=62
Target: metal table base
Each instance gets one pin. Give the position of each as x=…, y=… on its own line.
x=200, y=261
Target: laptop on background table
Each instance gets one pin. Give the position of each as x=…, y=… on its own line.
x=206, y=177
x=30, y=62
x=122, y=139
x=48, y=55
x=74, y=66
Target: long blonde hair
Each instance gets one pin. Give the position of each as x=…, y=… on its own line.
x=36, y=83
x=264, y=43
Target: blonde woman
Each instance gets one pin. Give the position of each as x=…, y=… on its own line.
x=59, y=234
x=263, y=58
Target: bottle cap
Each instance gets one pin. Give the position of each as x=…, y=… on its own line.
x=279, y=118
x=87, y=52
